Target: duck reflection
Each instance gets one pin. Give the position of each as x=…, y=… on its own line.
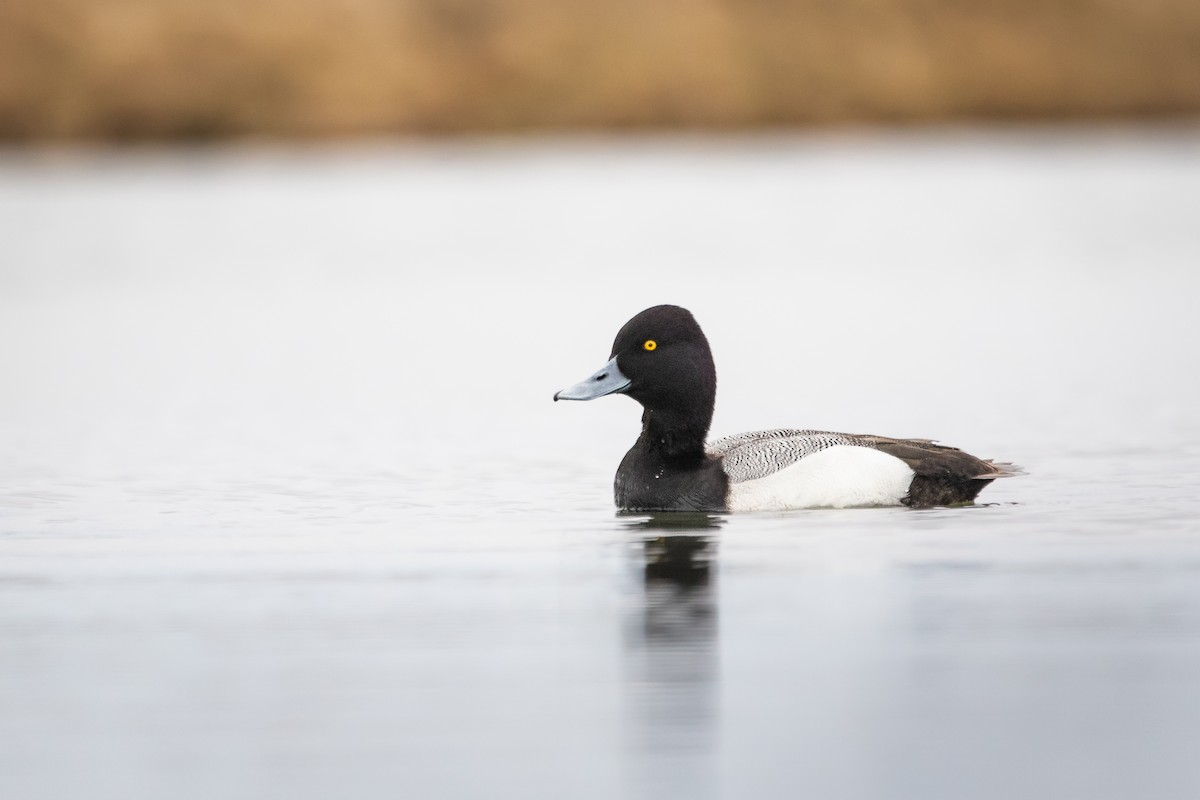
x=670, y=647
x=679, y=561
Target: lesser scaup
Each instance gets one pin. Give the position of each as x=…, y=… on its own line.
x=661, y=359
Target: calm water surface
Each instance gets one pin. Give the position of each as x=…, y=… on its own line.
x=286, y=510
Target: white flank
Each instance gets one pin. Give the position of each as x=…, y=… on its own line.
x=842, y=476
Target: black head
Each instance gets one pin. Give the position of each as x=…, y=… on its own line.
x=661, y=359
x=666, y=358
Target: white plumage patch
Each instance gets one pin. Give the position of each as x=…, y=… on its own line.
x=841, y=476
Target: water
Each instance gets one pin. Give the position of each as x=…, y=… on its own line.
x=286, y=510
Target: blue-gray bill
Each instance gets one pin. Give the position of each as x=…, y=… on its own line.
x=606, y=380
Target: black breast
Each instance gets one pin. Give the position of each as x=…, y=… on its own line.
x=649, y=481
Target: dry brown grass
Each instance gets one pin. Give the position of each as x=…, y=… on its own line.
x=135, y=69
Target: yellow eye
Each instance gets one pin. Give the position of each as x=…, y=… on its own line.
x=650, y=344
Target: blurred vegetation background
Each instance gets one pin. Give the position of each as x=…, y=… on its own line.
x=204, y=69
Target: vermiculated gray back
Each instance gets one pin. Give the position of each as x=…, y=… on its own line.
x=750, y=456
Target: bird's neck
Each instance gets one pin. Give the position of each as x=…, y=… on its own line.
x=676, y=435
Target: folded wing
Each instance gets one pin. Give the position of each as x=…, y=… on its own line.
x=941, y=475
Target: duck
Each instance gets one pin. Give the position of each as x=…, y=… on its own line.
x=662, y=359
